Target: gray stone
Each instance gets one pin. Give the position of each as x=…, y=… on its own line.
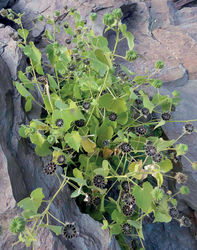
x=170, y=237
x=185, y=111
x=9, y=50
x=3, y=3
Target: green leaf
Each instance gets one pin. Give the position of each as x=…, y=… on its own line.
x=147, y=103
x=23, y=91
x=123, y=28
x=144, y=196
x=23, y=132
x=31, y=205
x=161, y=211
x=27, y=83
x=88, y=145
x=28, y=105
x=76, y=193
x=161, y=144
x=49, y=35
x=79, y=181
x=136, y=224
x=37, y=196
x=165, y=165
x=105, y=225
x=96, y=64
x=181, y=149
x=74, y=140
x=23, y=33
x=35, y=55
x=130, y=39
x=105, y=167
x=103, y=57
x=127, y=71
x=117, y=216
x=56, y=229
x=43, y=150
x=52, y=83
x=184, y=190
x=115, y=229
x=117, y=105
x=161, y=123
x=77, y=173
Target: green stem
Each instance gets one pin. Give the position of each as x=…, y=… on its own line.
x=56, y=218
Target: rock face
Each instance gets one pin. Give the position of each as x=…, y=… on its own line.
x=162, y=32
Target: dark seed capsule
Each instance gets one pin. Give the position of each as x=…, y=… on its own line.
x=68, y=41
x=99, y=181
x=86, y=61
x=70, y=231
x=59, y=123
x=113, y=117
x=86, y=105
x=126, y=147
x=80, y=123
x=166, y=116
x=189, y=128
x=126, y=228
x=50, y=168
x=71, y=67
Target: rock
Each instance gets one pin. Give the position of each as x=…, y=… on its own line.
x=185, y=111
x=3, y=4
x=186, y=43
x=9, y=50
x=6, y=196
x=168, y=237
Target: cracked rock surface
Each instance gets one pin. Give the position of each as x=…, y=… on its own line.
x=164, y=30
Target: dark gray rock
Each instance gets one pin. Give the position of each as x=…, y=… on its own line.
x=171, y=236
x=3, y=3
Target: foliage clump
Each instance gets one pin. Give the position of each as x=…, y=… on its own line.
x=100, y=127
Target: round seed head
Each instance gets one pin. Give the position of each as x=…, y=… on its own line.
x=129, y=199
x=50, y=168
x=138, y=101
x=61, y=159
x=189, y=128
x=145, y=111
x=80, y=123
x=113, y=117
x=141, y=130
x=86, y=105
x=181, y=178
x=185, y=222
x=106, y=143
x=69, y=231
x=71, y=67
x=150, y=150
x=86, y=61
x=157, y=157
x=126, y=147
x=17, y=225
x=68, y=41
x=59, y=123
x=99, y=181
x=127, y=210
x=166, y=116
x=125, y=186
x=126, y=228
